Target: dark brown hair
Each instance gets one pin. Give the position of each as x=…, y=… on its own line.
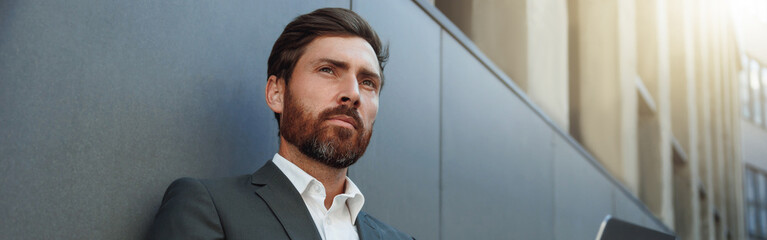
x=291, y=44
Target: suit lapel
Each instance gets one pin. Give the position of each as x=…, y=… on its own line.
x=285, y=202
x=366, y=229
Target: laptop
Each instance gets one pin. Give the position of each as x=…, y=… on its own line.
x=616, y=229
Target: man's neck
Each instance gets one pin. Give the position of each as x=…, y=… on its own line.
x=333, y=179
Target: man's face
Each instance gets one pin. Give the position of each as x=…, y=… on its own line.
x=331, y=101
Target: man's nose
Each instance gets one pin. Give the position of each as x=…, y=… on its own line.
x=350, y=92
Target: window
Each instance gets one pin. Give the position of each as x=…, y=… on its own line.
x=755, y=85
x=764, y=93
x=762, y=189
x=756, y=202
x=745, y=93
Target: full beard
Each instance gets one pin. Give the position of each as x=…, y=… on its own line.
x=334, y=146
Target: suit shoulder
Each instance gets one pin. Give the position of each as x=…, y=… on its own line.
x=387, y=231
x=226, y=181
x=184, y=188
x=186, y=211
x=192, y=191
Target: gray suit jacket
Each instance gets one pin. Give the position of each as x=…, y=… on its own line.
x=264, y=205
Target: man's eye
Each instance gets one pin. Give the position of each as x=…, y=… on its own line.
x=369, y=83
x=327, y=70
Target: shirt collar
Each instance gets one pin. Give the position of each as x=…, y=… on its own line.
x=296, y=175
x=355, y=201
x=301, y=180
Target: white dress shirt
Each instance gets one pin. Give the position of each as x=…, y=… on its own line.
x=339, y=221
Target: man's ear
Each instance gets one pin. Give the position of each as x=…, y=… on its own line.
x=275, y=93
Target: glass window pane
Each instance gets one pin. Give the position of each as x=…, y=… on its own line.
x=761, y=188
x=764, y=90
x=763, y=221
x=756, y=91
x=749, y=185
x=761, y=210
x=745, y=94
x=751, y=220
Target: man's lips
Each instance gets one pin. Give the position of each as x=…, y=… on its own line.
x=344, y=120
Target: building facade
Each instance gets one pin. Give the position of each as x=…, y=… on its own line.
x=654, y=90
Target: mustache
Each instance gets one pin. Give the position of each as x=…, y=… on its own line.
x=343, y=110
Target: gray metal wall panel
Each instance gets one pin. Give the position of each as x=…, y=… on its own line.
x=104, y=103
x=399, y=173
x=497, y=156
x=651, y=223
x=582, y=195
x=627, y=209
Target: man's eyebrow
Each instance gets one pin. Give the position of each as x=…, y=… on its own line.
x=367, y=73
x=345, y=66
x=336, y=63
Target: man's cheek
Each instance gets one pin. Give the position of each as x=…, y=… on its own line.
x=371, y=121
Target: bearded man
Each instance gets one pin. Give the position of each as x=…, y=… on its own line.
x=325, y=73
